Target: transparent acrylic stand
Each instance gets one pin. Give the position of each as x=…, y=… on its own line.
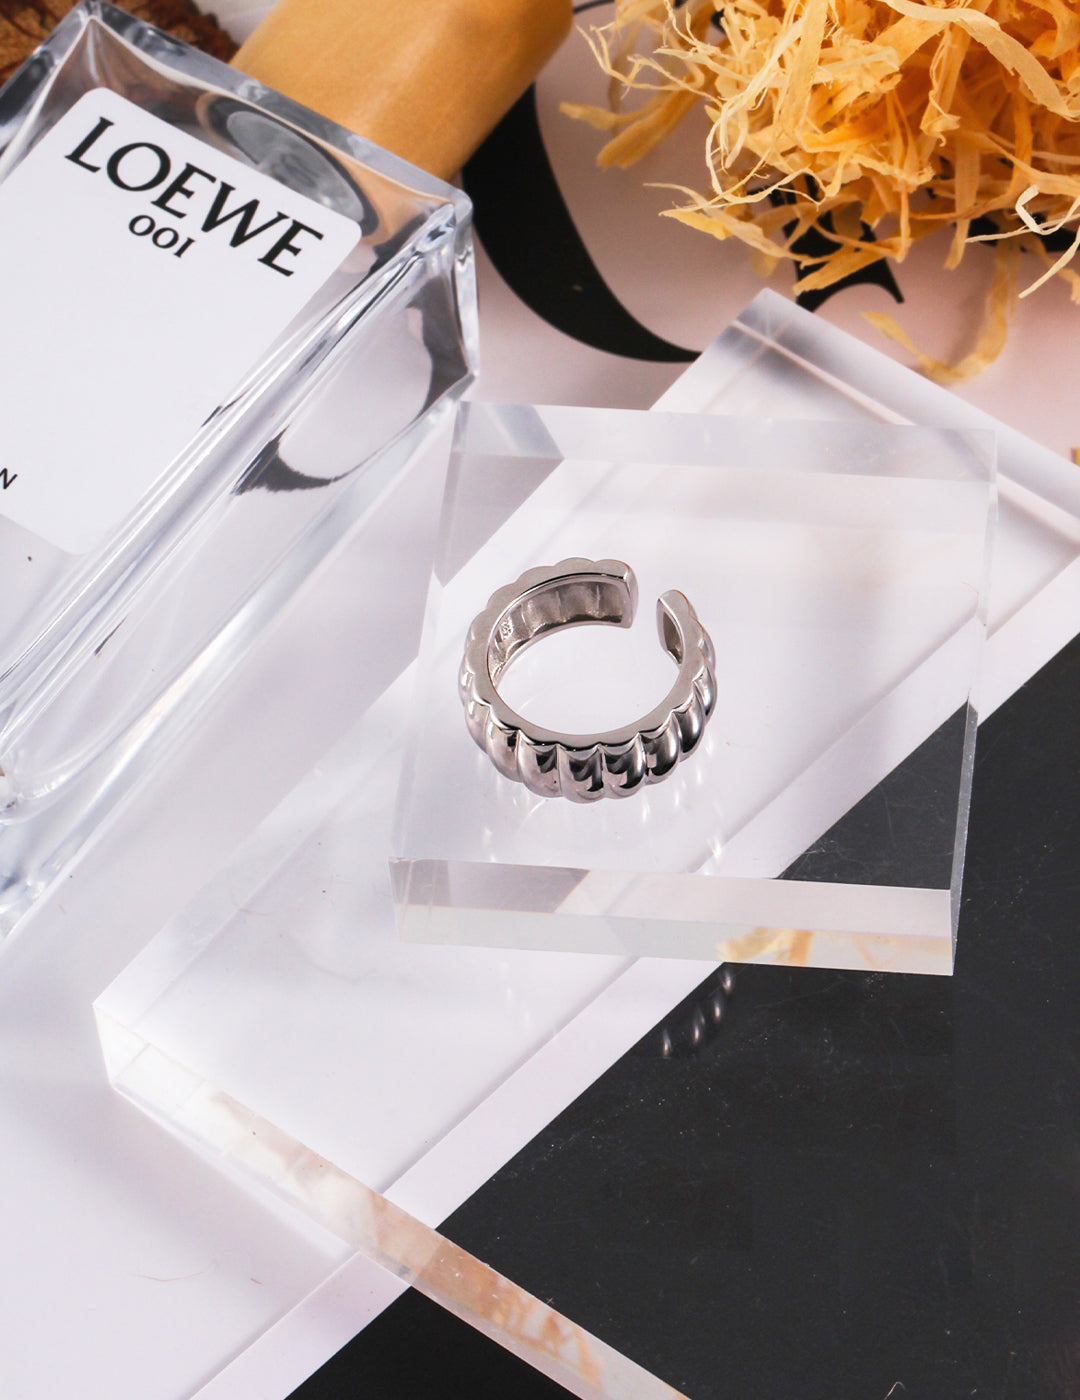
x=776, y=360
x=280, y=1027
x=282, y=996
x=840, y=571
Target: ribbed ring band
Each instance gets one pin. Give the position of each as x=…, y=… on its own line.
x=584, y=767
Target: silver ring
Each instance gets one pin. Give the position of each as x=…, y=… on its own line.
x=584, y=767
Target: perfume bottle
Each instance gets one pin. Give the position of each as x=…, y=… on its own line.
x=228, y=321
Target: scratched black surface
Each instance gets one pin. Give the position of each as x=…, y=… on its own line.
x=822, y=1184
x=903, y=831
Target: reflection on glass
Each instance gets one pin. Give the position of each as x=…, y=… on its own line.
x=840, y=571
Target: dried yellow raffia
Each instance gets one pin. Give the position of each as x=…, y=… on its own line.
x=872, y=122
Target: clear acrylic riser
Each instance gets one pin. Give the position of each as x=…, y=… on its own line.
x=778, y=361
x=279, y=1025
x=840, y=570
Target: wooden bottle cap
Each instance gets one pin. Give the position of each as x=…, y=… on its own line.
x=426, y=79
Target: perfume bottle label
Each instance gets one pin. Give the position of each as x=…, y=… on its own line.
x=145, y=272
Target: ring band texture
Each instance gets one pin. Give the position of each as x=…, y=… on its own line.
x=584, y=767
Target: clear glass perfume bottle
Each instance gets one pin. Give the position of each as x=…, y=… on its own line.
x=226, y=323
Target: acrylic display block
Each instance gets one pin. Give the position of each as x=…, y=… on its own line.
x=281, y=1028
x=776, y=360
x=840, y=570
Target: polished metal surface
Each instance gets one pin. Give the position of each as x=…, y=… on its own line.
x=584, y=767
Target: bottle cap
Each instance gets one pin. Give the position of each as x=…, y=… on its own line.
x=426, y=79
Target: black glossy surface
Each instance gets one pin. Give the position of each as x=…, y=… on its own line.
x=904, y=830
x=416, y=1349
x=829, y=1185
x=522, y=220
